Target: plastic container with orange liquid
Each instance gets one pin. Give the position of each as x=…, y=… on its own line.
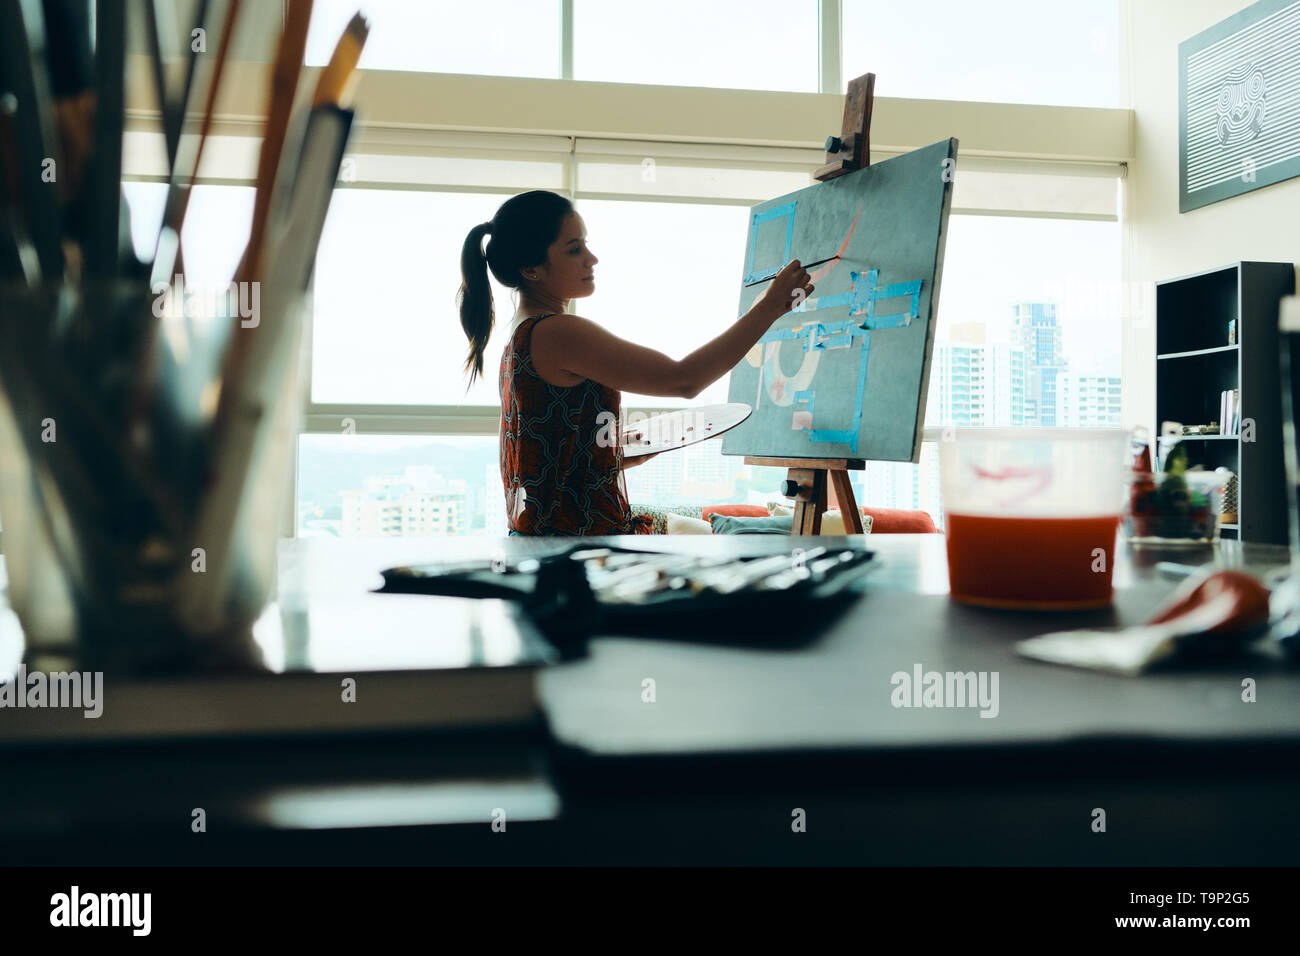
x=1031, y=514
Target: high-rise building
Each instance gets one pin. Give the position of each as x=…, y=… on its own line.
x=1088, y=401
x=976, y=385
x=957, y=393
x=418, y=502
x=1036, y=330
x=1005, y=384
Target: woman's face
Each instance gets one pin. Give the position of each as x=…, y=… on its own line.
x=568, y=271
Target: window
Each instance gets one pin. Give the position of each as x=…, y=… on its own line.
x=386, y=329
x=386, y=326
x=1028, y=328
x=1028, y=319
x=667, y=220
x=500, y=37
x=668, y=277
x=1002, y=51
x=1024, y=302
x=739, y=44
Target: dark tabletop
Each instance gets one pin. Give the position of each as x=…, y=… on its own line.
x=744, y=727
x=753, y=691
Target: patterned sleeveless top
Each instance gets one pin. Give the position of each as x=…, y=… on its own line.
x=561, y=465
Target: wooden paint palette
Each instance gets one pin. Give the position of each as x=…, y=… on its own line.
x=685, y=426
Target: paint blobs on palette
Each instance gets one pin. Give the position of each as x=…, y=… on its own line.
x=678, y=429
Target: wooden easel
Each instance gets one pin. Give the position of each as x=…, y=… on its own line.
x=806, y=478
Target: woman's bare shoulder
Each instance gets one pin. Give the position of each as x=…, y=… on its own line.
x=561, y=325
x=556, y=339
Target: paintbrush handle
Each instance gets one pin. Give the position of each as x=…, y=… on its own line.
x=769, y=276
x=284, y=83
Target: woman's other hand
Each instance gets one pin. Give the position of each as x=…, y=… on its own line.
x=633, y=461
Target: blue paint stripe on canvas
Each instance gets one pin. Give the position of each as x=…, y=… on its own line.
x=774, y=213
x=862, y=385
x=828, y=435
x=897, y=321
x=820, y=332
x=899, y=289
x=762, y=217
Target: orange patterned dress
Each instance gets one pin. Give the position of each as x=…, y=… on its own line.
x=561, y=473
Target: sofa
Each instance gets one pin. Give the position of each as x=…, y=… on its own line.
x=698, y=519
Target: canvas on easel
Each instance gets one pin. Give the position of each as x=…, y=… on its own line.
x=844, y=375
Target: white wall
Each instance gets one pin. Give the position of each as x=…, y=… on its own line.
x=1160, y=243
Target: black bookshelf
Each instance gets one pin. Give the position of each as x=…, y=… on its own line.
x=1195, y=362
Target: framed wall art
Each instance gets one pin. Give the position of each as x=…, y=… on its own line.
x=1239, y=104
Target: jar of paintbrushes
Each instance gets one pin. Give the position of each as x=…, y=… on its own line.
x=142, y=473
x=146, y=428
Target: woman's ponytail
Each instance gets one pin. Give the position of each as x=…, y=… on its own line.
x=522, y=230
x=475, y=298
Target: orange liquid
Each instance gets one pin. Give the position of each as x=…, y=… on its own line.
x=1031, y=562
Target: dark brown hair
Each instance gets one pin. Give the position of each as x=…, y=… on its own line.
x=521, y=232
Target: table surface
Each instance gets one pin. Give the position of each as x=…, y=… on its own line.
x=834, y=691
x=752, y=704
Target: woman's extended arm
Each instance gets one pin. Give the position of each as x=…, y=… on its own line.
x=568, y=349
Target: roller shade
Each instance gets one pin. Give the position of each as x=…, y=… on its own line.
x=642, y=170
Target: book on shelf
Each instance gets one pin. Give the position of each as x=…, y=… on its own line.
x=1229, y=412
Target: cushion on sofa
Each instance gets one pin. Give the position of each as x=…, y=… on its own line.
x=659, y=515
x=745, y=524
x=874, y=520
x=832, y=521
x=900, y=521
x=680, y=524
x=735, y=511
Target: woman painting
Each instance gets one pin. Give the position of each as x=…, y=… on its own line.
x=562, y=375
